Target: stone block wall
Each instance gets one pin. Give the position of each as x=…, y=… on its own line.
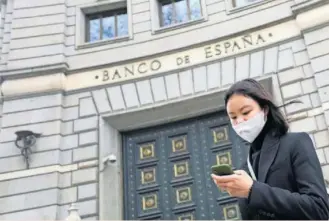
x=317, y=42
x=45, y=34
x=65, y=163
x=65, y=159
x=63, y=166
x=34, y=33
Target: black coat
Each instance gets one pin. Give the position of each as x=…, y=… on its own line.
x=290, y=183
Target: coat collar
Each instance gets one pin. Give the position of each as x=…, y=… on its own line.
x=268, y=153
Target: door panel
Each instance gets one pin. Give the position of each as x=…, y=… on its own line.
x=216, y=135
x=167, y=170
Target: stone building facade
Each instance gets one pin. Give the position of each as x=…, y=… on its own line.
x=129, y=102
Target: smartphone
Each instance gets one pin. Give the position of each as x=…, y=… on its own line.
x=222, y=170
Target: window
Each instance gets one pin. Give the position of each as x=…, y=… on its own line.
x=106, y=25
x=179, y=11
x=240, y=3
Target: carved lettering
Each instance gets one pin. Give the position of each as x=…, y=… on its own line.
x=149, y=67
x=179, y=61
x=129, y=71
x=116, y=75
x=132, y=70
x=187, y=59
x=142, y=69
x=155, y=65
x=208, y=52
x=218, y=50
x=106, y=76
x=247, y=40
x=260, y=38
x=183, y=60
x=235, y=46
x=227, y=45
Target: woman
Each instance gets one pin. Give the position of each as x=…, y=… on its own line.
x=287, y=178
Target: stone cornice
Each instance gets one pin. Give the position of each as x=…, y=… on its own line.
x=32, y=85
x=307, y=5
x=9, y=74
x=52, y=78
x=315, y=16
x=22, y=83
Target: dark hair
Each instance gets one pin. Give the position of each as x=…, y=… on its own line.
x=253, y=89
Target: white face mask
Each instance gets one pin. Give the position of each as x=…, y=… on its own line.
x=250, y=129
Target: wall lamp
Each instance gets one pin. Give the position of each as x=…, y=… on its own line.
x=24, y=141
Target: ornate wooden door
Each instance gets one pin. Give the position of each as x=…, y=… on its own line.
x=167, y=170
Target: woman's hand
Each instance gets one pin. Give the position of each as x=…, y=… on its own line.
x=237, y=185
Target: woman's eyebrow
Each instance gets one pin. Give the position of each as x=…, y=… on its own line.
x=241, y=108
x=244, y=106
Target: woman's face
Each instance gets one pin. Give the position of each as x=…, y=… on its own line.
x=241, y=108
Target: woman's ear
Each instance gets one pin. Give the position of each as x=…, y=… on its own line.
x=266, y=110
